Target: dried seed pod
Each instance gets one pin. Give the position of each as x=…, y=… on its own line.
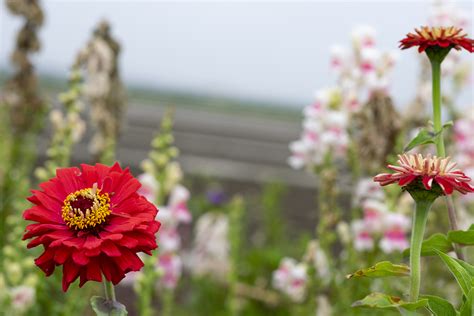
x=375, y=128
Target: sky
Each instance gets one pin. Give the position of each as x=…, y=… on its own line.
x=257, y=50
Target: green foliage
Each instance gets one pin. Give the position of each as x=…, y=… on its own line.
x=467, y=309
x=384, y=301
x=464, y=279
x=236, y=211
x=425, y=137
x=439, y=306
x=274, y=228
x=436, y=242
x=462, y=237
x=382, y=269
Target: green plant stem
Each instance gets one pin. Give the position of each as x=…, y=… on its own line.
x=437, y=122
x=418, y=230
x=109, y=291
x=438, y=127
x=168, y=301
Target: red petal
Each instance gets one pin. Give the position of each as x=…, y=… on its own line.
x=110, y=249
x=92, y=242
x=69, y=179
x=406, y=179
x=427, y=182
x=445, y=185
x=80, y=257
x=70, y=273
x=62, y=254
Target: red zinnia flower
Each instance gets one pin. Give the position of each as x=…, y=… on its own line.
x=438, y=36
x=92, y=222
x=427, y=169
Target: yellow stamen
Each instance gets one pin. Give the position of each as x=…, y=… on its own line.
x=86, y=218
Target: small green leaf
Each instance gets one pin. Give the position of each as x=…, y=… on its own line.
x=436, y=241
x=422, y=138
x=103, y=307
x=384, y=301
x=382, y=269
x=448, y=124
x=462, y=276
x=468, y=267
x=463, y=237
x=467, y=309
x=439, y=306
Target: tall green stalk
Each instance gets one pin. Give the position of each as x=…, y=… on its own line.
x=418, y=230
x=437, y=122
x=436, y=57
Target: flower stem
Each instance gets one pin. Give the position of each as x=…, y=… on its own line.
x=109, y=291
x=438, y=128
x=418, y=230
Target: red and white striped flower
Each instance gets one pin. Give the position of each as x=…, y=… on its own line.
x=429, y=170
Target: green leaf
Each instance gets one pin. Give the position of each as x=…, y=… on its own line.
x=384, y=301
x=462, y=276
x=382, y=269
x=422, y=138
x=467, y=309
x=104, y=307
x=436, y=241
x=439, y=306
x=462, y=237
x=469, y=268
x=448, y=124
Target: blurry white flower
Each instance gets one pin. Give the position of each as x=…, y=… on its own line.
x=22, y=297
x=363, y=36
x=366, y=188
x=363, y=240
x=170, y=266
x=210, y=254
x=178, y=204
x=344, y=232
x=374, y=214
x=339, y=56
x=149, y=186
x=369, y=59
x=169, y=239
x=291, y=278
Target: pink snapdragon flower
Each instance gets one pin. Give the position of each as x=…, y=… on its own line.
x=171, y=266
x=291, y=279
x=374, y=215
x=367, y=189
x=380, y=227
x=394, y=237
x=171, y=215
x=364, y=36
x=22, y=298
x=324, y=132
x=210, y=258
x=363, y=240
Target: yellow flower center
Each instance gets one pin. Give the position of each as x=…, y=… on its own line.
x=86, y=208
